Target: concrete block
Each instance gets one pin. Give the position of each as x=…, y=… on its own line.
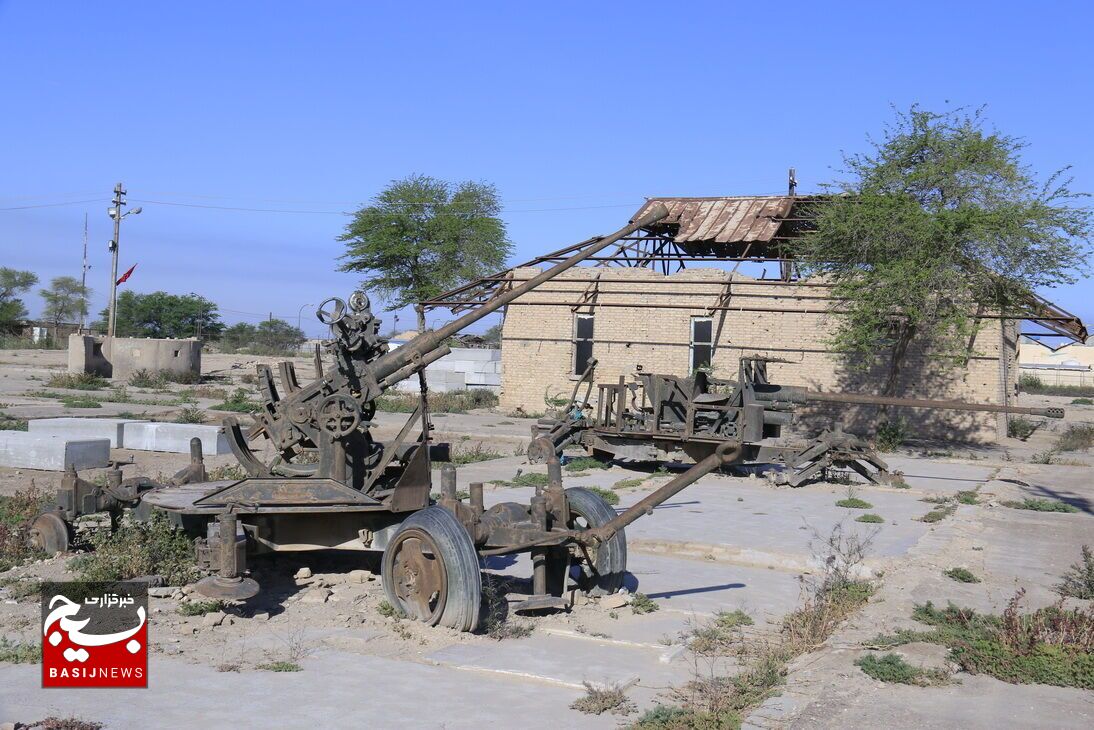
x=27, y=450
x=474, y=354
x=174, y=437
x=83, y=428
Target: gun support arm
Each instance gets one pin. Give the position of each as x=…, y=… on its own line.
x=790, y=394
x=727, y=453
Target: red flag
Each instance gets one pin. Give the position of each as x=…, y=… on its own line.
x=125, y=276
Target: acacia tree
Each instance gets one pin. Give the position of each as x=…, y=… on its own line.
x=66, y=300
x=940, y=221
x=12, y=283
x=422, y=236
x=162, y=315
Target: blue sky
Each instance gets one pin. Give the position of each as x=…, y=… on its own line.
x=576, y=111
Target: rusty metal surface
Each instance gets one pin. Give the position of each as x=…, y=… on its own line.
x=723, y=220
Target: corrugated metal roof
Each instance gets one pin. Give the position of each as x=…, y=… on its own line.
x=723, y=220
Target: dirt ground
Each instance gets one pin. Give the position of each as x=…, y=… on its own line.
x=727, y=543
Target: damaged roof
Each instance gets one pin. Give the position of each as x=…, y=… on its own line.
x=743, y=219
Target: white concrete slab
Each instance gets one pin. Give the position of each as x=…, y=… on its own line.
x=174, y=437
x=83, y=428
x=24, y=450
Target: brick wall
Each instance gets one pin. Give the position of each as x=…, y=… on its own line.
x=650, y=326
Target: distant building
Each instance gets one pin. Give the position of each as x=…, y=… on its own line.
x=1069, y=364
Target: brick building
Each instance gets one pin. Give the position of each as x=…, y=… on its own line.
x=673, y=299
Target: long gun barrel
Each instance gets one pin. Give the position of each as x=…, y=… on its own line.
x=790, y=394
x=425, y=343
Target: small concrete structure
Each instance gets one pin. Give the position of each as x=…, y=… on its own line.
x=24, y=450
x=120, y=357
x=174, y=437
x=83, y=428
x=463, y=368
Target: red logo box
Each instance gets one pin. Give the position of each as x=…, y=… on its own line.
x=95, y=634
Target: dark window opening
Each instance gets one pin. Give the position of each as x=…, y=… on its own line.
x=583, y=342
x=702, y=342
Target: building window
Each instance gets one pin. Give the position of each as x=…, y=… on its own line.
x=583, y=342
x=702, y=342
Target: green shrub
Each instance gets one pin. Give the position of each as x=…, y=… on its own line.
x=854, y=503
x=81, y=402
x=238, y=402
x=1020, y=427
x=15, y=653
x=1082, y=402
x=77, y=381
x=967, y=496
x=191, y=414
x=961, y=575
x=1078, y=581
x=732, y=619
x=144, y=378
x=939, y=513
x=453, y=401
x=641, y=603
x=154, y=547
x=200, y=608
x=892, y=668
x=628, y=483
x=1076, y=437
x=1036, y=504
x=870, y=518
x=12, y=423
x=891, y=434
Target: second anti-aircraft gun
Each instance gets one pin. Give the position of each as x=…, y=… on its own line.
x=666, y=418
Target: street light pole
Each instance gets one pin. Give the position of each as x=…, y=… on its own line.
x=115, y=212
x=299, y=312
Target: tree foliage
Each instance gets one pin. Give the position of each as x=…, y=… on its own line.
x=13, y=283
x=66, y=300
x=940, y=221
x=271, y=337
x=162, y=315
x=422, y=236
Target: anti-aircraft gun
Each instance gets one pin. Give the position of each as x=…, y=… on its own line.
x=321, y=480
x=671, y=418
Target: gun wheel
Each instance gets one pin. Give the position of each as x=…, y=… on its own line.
x=600, y=570
x=49, y=533
x=431, y=571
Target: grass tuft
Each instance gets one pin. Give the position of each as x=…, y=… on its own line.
x=77, y=381
x=641, y=603
x=280, y=667
x=598, y=701
x=892, y=668
x=200, y=608
x=585, y=463
x=854, y=503
x=870, y=519
x=961, y=575
x=606, y=494
x=1036, y=504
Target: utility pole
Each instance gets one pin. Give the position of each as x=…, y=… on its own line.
x=115, y=212
x=83, y=274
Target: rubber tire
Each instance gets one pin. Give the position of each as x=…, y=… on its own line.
x=611, y=556
x=461, y=562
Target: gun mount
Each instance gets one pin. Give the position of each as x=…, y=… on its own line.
x=665, y=418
